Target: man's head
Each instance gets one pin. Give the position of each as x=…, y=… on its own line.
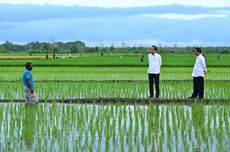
x=197, y=51
x=29, y=66
x=153, y=49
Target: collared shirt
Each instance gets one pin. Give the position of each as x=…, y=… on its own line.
x=199, y=67
x=27, y=75
x=154, y=63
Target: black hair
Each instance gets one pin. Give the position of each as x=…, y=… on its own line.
x=154, y=47
x=198, y=49
x=28, y=65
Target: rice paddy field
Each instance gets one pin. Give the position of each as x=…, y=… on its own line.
x=110, y=60
x=109, y=126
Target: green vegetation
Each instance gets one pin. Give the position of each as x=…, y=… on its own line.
x=38, y=47
x=195, y=126
x=95, y=82
x=95, y=60
x=79, y=46
x=74, y=127
x=108, y=73
x=69, y=90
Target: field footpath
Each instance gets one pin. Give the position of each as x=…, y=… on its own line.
x=145, y=101
x=110, y=81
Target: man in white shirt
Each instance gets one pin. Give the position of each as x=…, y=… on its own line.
x=199, y=71
x=155, y=63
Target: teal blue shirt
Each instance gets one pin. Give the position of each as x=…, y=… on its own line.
x=27, y=75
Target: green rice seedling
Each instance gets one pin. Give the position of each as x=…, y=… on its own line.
x=172, y=127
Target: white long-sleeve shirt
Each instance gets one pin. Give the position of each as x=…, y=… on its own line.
x=155, y=63
x=199, y=67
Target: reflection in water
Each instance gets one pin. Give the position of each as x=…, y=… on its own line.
x=114, y=127
x=198, y=118
x=29, y=124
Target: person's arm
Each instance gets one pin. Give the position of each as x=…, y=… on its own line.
x=28, y=79
x=30, y=85
x=203, y=64
x=148, y=58
x=160, y=61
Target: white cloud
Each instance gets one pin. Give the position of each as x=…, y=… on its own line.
x=150, y=42
x=124, y=3
x=141, y=43
x=174, y=16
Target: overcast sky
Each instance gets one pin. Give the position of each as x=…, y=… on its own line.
x=135, y=22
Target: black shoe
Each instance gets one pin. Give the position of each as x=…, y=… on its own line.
x=151, y=98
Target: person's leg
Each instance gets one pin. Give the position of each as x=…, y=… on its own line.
x=34, y=97
x=157, y=82
x=201, y=87
x=195, y=88
x=151, y=85
x=27, y=95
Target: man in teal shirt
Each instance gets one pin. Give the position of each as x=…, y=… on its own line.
x=28, y=83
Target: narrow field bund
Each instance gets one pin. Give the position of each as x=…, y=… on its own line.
x=131, y=101
x=113, y=81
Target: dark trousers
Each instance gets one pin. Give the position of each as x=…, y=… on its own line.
x=154, y=78
x=198, y=87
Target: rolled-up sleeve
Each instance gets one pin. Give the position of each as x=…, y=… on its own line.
x=160, y=61
x=203, y=64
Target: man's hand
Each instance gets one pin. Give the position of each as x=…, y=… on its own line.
x=205, y=72
x=32, y=90
x=30, y=85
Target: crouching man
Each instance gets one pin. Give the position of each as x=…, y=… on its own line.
x=28, y=82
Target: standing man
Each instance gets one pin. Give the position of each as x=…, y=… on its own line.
x=198, y=74
x=142, y=58
x=54, y=56
x=70, y=55
x=155, y=63
x=28, y=83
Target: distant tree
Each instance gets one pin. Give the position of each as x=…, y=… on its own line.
x=33, y=46
x=3, y=50
x=112, y=48
x=96, y=49
x=46, y=47
x=80, y=45
x=8, y=45
x=73, y=49
x=55, y=50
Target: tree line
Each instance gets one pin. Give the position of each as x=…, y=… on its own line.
x=80, y=47
x=73, y=47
